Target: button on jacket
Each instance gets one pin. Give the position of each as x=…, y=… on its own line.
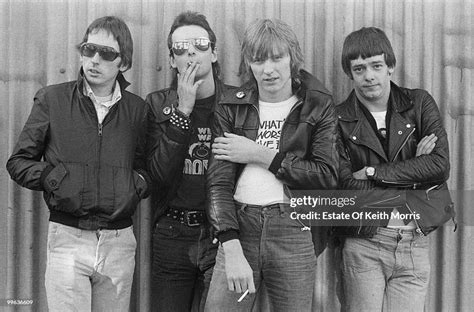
x=414, y=115
x=307, y=158
x=89, y=172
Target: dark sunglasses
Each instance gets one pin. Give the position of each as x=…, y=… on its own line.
x=106, y=53
x=180, y=47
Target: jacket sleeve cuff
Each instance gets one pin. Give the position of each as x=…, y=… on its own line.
x=148, y=181
x=227, y=235
x=276, y=163
x=178, y=134
x=44, y=174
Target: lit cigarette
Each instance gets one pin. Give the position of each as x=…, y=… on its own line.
x=189, y=64
x=243, y=295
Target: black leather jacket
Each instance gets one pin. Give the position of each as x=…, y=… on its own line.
x=307, y=159
x=167, y=146
x=414, y=115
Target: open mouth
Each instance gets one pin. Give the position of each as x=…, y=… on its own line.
x=93, y=71
x=270, y=79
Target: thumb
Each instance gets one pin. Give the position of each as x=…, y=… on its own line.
x=230, y=135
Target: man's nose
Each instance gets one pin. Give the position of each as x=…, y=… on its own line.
x=95, y=58
x=191, y=49
x=268, y=66
x=369, y=74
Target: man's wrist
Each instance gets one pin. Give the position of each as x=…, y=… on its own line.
x=370, y=173
x=232, y=246
x=182, y=109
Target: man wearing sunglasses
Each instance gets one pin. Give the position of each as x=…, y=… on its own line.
x=179, y=142
x=84, y=145
x=276, y=134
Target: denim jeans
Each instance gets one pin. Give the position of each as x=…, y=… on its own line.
x=388, y=272
x=89, y=270
x=183, y=259
x=281, y=256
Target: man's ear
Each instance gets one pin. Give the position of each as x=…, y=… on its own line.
x=173, y=62
x=123, y=68
x=391, y=70
x=214, y=55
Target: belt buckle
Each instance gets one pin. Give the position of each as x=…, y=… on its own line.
x=191, y=222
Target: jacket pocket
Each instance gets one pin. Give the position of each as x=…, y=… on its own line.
x=126, y=192
x=64, y=187
x=434, y=205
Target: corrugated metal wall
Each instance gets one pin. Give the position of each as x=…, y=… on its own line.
x=433, y=41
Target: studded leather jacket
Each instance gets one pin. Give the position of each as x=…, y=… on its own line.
x=414, y=115
x=307, y=158
x=167, y=146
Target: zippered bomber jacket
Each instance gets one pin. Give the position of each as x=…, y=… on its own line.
x=92, y=175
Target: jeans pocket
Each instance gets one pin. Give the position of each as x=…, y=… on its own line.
x=420, y=258
x=164, y=229
x=360, y=255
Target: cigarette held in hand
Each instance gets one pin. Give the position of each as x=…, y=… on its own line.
x=243, y=296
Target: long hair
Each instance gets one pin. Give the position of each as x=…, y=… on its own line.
x=265, y=38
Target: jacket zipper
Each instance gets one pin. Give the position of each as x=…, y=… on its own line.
x=402, y=183
x=395, y=157
x=298, y=103
x=403, y=144
x=100, y=129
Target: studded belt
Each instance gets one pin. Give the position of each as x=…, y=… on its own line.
x=188, y=217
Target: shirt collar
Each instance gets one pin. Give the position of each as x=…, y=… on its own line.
x=116, y=96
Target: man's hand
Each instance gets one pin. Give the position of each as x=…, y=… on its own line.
x=426, y=145
x=360, y=175
x=239, y=149
x=187, y=88
x=237, y=269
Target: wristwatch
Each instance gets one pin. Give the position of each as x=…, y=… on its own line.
x=370, y=173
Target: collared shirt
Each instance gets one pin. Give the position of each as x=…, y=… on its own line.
x=102, y=104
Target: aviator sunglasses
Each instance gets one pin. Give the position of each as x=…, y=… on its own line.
x=180, y=47
x=106, y=53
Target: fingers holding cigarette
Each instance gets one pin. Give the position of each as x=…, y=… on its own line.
x=243, y=296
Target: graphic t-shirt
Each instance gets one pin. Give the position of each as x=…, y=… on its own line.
x=191, y=193
x=257, y=185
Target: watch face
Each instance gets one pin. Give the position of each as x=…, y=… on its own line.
x=370, y=171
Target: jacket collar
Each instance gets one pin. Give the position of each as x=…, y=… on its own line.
x=120, y=78
x=399, y=101
x=248, y=92
x=362, y=133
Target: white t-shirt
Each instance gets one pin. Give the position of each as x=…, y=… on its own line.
x=257, y=185
x=380, y=119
